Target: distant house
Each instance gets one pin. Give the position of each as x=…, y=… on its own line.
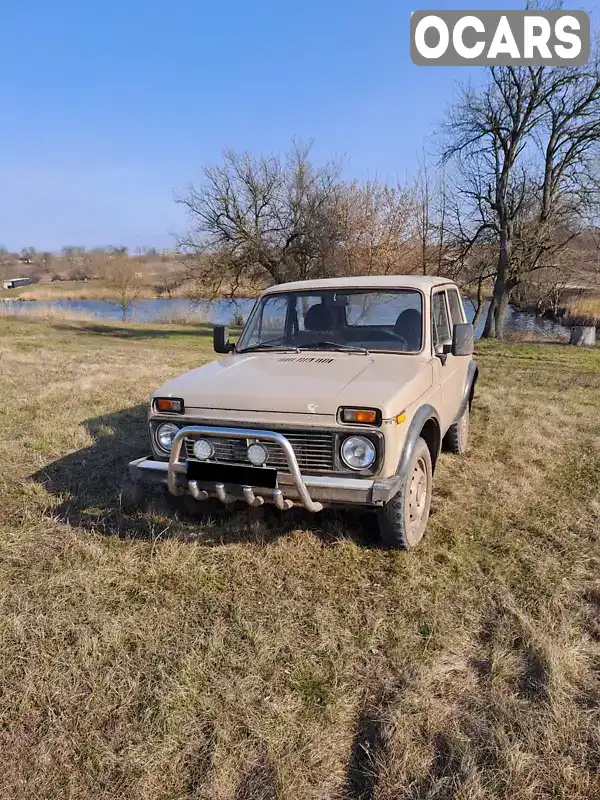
x=12, y=283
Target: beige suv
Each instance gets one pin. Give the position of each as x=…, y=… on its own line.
x=338, y=392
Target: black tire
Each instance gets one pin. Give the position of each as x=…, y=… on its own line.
x=402, y=520
x=457, y=435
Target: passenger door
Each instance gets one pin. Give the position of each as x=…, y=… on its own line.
x=457, y=315
x=453, y=372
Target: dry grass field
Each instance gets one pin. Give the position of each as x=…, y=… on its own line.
x=154, y=656
x=70, y=290
x=98, y=289
x=583, y=311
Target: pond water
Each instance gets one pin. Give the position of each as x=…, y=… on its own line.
x=223, y=312
x=523, y=322
x=157, y=310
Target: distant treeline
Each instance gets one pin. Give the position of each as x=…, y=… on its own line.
x=75, y=263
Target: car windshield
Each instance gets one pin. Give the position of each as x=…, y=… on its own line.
x=327, y=319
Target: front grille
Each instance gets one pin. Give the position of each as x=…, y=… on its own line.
x=313, y=449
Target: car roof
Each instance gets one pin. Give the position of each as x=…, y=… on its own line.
x=422, y=282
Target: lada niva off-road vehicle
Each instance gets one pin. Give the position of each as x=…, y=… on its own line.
x=338, y=392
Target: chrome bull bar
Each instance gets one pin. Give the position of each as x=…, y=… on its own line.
x=200, y=431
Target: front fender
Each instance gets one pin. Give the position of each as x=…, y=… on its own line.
x=386, y=489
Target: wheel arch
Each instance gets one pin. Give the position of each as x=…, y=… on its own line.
x=424, y=425
x=469, y=390
x=432, y=435
x=474, y=375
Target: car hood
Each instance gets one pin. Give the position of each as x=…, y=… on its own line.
x=316, y=383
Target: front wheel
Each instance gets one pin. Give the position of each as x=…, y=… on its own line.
x=403, y=519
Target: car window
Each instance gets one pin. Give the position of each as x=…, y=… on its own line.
x=456, y=306
x=271, y=323
x=390, y=320
x=441, y=323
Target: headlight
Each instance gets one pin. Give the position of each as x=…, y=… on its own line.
x=165, y=434
x=358, y=452
x=257, y=454
x=203, y=449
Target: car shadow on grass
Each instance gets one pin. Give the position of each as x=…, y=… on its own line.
x=85, y=487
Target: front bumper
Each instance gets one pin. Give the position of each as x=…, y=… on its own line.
x=311, y=491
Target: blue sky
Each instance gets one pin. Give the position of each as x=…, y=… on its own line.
x=110, y=106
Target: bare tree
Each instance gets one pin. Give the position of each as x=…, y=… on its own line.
x=431, y=224
x=525, y=147
x=444, y=243
x=120, y=274
x=41, y=266
x=261, y=219
x=488, y=131
x=542, y=290
x=169, y=281
x=375, y=230
x=46, y=260
x=477, y=269
x=423, y=214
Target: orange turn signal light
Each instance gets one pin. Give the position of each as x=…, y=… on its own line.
x=362, y=416
x=168, y=404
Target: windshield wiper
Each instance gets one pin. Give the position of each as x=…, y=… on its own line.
x=274, y=347
x=345, y=348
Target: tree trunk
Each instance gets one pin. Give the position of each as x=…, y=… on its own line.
x=477, y=304
x=494, y=324
x=479, y=308
x=489, y=329
x=501, y=312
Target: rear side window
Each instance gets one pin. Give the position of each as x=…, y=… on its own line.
x=456, y=306
x=441, y=323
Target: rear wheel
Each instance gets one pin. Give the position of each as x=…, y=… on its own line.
x=455, y=440
x=402, y=520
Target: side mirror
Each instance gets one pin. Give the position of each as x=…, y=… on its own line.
x=221, y=341
x=463, y=337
